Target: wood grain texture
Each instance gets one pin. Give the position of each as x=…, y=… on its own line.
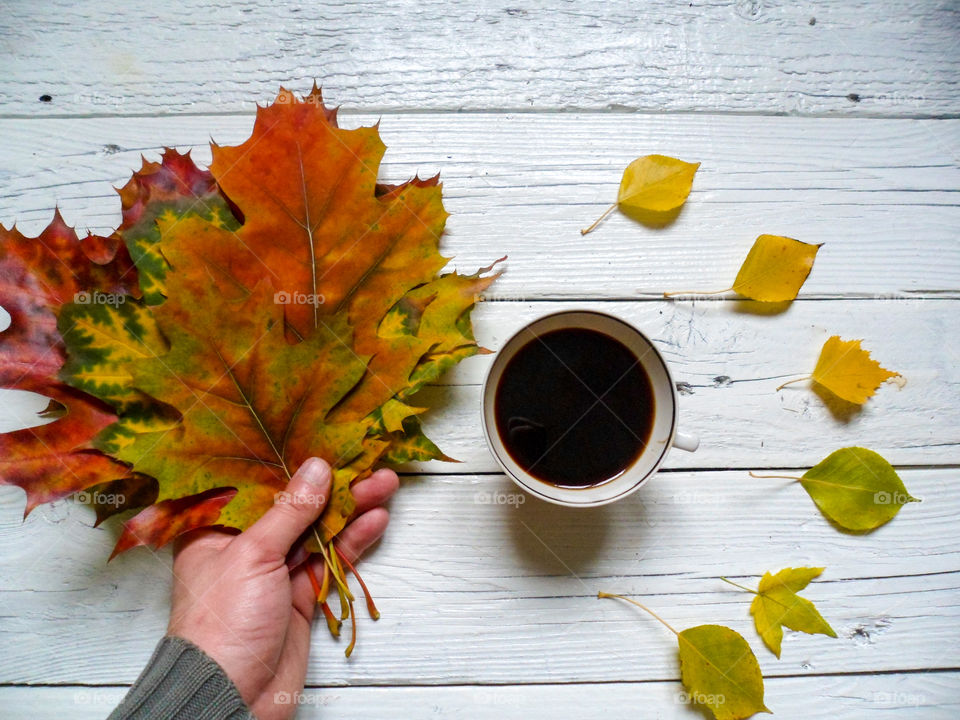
x=488, y=597
x=920, y=696
x=476, y=586
x=729, y=362
x=882, y=195
x=831, y=57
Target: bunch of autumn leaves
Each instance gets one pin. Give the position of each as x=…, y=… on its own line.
x=281, y=305
x=854, y=487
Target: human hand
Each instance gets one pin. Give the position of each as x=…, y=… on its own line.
x=235, y=598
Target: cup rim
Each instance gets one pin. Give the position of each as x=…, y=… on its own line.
x=528, y=487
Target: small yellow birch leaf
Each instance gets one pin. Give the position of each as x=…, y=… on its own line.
x=777, y=605
x=848, y=371
x=652, y=187
x=775, y=269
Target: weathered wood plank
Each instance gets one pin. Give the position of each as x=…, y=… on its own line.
x=730, y=362
x=882, y=195
x=926, y=696
x=476, y=586
x=834, y=57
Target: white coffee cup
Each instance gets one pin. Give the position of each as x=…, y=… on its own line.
x=663, y=435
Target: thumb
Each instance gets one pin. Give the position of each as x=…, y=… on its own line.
x=295, y=509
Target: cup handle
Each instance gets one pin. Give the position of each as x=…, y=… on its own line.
x=686, y=442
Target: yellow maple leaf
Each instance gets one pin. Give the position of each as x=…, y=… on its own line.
x=776, y=605
x=653, y=187
x=848, y=371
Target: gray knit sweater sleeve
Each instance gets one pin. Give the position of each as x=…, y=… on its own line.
x=181, y=682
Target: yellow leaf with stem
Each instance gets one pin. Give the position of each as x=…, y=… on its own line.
x=776, y=605
x=774, y=271
x=848, y=371
x=652, y=190
x=717, y=667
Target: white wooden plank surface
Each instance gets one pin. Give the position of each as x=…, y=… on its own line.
x=476, y=590
x=916, y=696
x=881, y=195
x=836, y=57
x=489, y=608
x=729, y=362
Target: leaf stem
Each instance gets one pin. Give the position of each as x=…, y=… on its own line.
x=353, y=631
x=333, y=623
x=599, y=219
x=774, y=477
x=667, y=625
x=324, y=584
x=313, y=580
x=332, y=564
x=796, y=380
x=371, y=607
x=737, y=585
x=696, y=292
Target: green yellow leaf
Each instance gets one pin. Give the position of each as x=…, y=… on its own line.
x=775, y=269
x=848, y=371
x=170, y=190
x=412, y=445
x=717, y=667
x=652, y=188
x=777, y=605
x=720, y=671
x=252, y=406
x=856, y=488
x=101, y=338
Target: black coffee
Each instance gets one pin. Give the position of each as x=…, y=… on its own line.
x=574, y=407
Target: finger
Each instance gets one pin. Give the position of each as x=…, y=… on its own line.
x=374, y=490
x=362, y=533
x=295, y=509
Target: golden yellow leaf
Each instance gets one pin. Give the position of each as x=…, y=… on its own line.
x=652, y=188
x=848, y=371
x=775, y=269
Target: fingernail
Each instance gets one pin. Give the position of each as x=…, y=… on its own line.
x=315, y=472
